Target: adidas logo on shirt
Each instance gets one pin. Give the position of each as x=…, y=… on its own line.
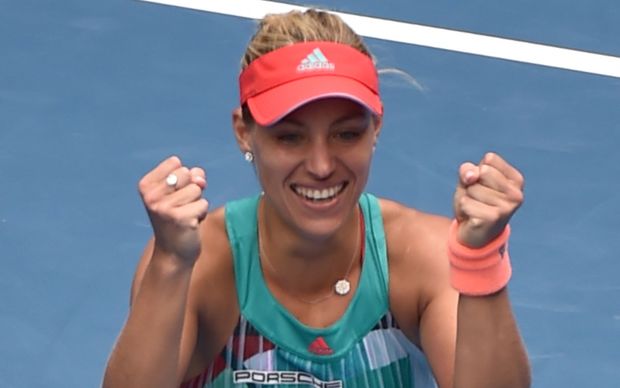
x=320, y=347
x=315, y=61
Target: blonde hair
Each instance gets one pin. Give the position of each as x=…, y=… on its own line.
x=279, y=30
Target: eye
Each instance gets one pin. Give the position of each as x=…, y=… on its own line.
x=289, y=137
x=348, y=135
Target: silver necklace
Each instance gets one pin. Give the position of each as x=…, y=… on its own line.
x=341, y=287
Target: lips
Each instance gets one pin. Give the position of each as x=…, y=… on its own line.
x=316, y=194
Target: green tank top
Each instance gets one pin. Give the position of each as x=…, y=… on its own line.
x=364, y=348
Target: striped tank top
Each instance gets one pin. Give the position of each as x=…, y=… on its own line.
x=270, y=347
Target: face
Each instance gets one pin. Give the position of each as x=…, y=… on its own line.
x=314, y=163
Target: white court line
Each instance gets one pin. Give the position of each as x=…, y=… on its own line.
x=440, y=38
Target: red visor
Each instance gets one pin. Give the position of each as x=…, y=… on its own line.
x=282, y=80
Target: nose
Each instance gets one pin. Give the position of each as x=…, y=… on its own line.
x=320, y=160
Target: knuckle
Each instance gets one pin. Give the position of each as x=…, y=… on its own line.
x=194, y=190
x=519, y=196
x=182, y=173
x=462, y=201
x=161, y=209
x=174, y=160
x=485, y=171
x=193, y=223
x=143, y=185
x=198, y=171
x=515, y=195
x=154, y=207
x=489, y=157
x=149, y=198
x=472, y=190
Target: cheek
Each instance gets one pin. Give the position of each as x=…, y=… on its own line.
x=358, y=159
x=362, y=168
x=358, y=164
x=272, y=168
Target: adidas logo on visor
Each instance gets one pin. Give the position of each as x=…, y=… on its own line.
x=315, y=61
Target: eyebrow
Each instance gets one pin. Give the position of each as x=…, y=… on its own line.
x=348, y=117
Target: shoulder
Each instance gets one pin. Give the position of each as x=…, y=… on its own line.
x=418, y=264
x=216, y=242
x=214, y=270
x=214, y=267
x=411, y=229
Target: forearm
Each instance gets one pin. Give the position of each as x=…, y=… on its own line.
x=147, y=351
x=489, y=349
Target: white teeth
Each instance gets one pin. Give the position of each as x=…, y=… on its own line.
x=318, y=195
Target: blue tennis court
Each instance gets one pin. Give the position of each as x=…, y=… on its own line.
x=94, y=94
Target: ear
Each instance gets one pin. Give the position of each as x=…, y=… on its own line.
x=378, y=122
x=242, y=130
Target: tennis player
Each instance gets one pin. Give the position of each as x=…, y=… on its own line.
x=315, y=282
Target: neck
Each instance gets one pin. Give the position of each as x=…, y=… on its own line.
x=304, y=264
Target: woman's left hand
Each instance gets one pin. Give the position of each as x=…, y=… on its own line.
x=486, y=197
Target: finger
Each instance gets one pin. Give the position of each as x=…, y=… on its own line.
x=198, y=176
x=190, y=193
x=192, y=213
x=496, y=180
x=510, y=172
x=493, y=178
x=183, y=179
x=162, y=170
x=477, y=211
x=486, y=195
x=186, y=176
x=160, y=189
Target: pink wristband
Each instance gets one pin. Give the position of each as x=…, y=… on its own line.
x=479, y=271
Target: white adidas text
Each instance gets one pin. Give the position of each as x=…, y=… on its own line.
x=316, y=66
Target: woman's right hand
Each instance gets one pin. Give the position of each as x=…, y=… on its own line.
x=175, y=211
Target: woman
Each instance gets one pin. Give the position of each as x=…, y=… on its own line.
x=314, y=281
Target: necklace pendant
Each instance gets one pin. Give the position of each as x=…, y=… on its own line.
x=342, y=287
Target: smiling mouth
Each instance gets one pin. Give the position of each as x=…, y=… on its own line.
x=317, y=195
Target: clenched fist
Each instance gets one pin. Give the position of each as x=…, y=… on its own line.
x=172, y=195
x=487, y=195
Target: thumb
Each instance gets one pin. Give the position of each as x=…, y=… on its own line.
x=469, y=174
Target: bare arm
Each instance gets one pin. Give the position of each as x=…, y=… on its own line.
x=489, y=351
x=160, y=328
x=469, y=341
x=480, y=347
x=156, y=342
x=421, y=297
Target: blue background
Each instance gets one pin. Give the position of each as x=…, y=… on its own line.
x=94, y=94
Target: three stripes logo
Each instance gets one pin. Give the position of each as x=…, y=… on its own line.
x=315, y=61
